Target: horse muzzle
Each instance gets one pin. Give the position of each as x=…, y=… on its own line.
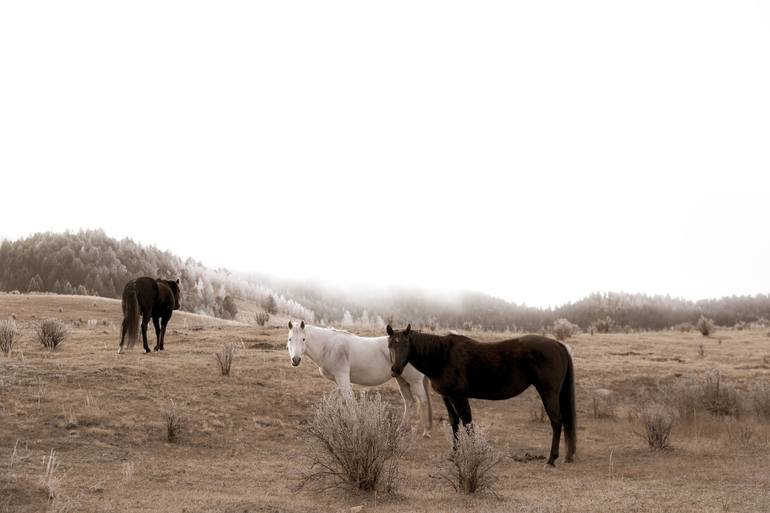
x=396, y=372
x=295, y=361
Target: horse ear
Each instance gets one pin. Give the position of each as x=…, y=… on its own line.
x=408, y=329
x=389, y=330
x=302, y=325
x=290, y=325
x=177, y=281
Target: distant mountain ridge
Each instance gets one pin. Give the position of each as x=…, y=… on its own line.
x=90, y=262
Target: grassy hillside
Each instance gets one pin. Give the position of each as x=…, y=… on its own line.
x=242, y=447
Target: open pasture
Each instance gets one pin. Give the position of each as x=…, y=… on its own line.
x=241, y=448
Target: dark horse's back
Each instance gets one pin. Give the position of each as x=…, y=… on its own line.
x=499, y=370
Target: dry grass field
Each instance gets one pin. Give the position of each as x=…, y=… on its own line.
x=241, y=447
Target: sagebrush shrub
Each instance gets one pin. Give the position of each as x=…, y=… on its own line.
x=8, y=335
x=472, y=460
x=261, y=318
x=51, y=332
x=173, y=420
x=705, y=326
x=562, y=329
x=225, y=358
x=760, y=400
x=356, y=441
x=711, y=394
x=655, y=424
x=603, y=325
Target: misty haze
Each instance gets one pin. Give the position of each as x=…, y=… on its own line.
x=414, y=256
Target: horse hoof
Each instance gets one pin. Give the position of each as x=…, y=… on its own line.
x=426, y=435
x=549, y=466
x=146, y=351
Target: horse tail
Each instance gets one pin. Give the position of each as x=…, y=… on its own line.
x=425, y=385
x=567, y=407
x=131, y=312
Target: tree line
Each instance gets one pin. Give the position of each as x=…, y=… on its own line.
x=90, y=262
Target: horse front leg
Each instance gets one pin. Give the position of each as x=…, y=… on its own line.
x=421, y=395
x=454, y=419
x=156, y=323
x=343, y=381
x=406, y=395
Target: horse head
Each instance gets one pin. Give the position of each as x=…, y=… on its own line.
x=174, y=286
x=296, y=343
x=399, y=347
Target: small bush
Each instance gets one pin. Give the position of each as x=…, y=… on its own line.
x=705, y=326
x=760, y=400
x=51, y=332
x=8, y=335
x=562, y=329
x=719, y=397
x=683, y=327
x=173, y=421
x=225, y=358
x=656, y=423
x=355, y=441
x=262, y=317
x=603, y=325
x=603, y=404
x=711, y=394
x=739, y=433
x=472, y=461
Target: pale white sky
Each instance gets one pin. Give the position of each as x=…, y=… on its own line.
x=536, y=151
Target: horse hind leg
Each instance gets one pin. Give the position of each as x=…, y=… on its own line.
x=551, y=404
x=145, y=321
x=156, y=323
x=123, y=331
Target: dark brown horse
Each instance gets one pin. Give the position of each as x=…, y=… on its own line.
x=153, y=299
x=460, y=368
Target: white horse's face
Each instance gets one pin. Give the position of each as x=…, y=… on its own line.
x=296, y=343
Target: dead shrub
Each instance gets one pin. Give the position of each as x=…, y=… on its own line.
x=719, y=397
x=261, y=318
x=711, y=394
x=51, y=332
x=356, y=441
x=225, y=358
x=760, y=400
x=603, y=404
x=605, y=325
x=655, y=424
x=739, y=433
x=472, y=461
x=705, y=326
x=8, y=335
x=562, y=329
x=173, y=420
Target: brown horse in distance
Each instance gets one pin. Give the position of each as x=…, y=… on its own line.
x=153, y=299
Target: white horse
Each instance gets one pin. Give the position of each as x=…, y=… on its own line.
x=346, y=358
